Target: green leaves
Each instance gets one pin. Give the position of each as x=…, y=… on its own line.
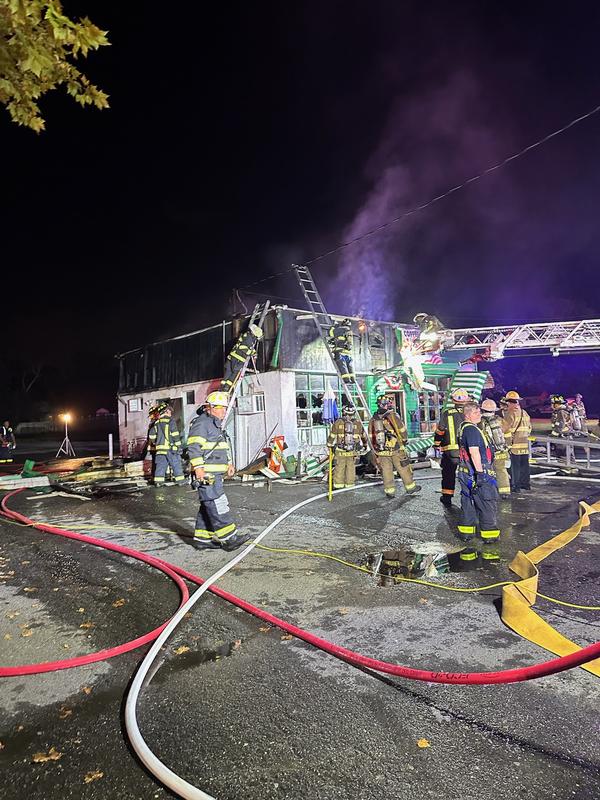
x=37, y=45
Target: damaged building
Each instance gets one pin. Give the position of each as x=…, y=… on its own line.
x=282, y=392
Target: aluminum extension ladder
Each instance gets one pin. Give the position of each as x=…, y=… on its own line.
x=256, y=318
x=324, y=322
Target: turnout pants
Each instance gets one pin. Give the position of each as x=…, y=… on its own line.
x=449, y=464
x=478, y=508
x=399, y=461
x=502, y=476
x=519, y=472
x=214, y=520
x=344, y=469
x=344, y=364
x=233, y=367
x=161, y=461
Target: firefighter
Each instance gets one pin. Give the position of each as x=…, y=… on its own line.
x=561, y=420
x=430, y=327
x=478, y=488
x=493, y=428
x=340, y=341
x=575, y=421
x=388, y=437
x=8, y=435
x=579, y=404
x=519, y=427
x=211, y=460
x=5, y=444
x=446, y=440
x=347, y=439
x=165, y=443
x=245, y=347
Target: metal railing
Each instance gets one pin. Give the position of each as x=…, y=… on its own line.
x=569, y=458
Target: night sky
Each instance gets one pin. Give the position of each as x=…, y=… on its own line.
x=245, y=136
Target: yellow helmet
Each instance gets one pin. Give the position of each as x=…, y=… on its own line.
x=512, y=395
x=460, y=396
x=218, y=399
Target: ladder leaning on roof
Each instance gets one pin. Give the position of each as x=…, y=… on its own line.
x=324, y=322
x=256, y=318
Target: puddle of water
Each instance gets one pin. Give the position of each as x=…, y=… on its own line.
x=193, y=658
x=428, y=561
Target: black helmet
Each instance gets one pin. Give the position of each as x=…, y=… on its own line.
x=348, y=411
x=347, y=321
x=384, y=402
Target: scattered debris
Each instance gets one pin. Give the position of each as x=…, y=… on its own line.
x=64, y=712
x=51, y=755
x=86, y=689
x=286, y=637
x=423, y=743
x=183, y=649
x=93, y=776
x=118, y=603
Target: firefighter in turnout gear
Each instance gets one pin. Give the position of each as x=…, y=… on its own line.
x=518, y=426
x=446, y=440
x=388, y=437
x=165, y=444
x=211, y=460
x=340, y=341
x=579, y=405
x=245, y=347
x=430, y=336
x=575, y=420
x=477, y=478
x=347, y=439
x=561, y=421
x=493, y=428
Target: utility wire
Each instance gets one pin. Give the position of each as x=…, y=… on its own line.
x=438, y=197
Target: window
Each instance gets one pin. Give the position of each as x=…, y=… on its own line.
x=134, y=404
x=258, y=402
x=190, y=398
x=310, y=389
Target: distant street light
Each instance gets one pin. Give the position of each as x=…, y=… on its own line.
x=66, y=446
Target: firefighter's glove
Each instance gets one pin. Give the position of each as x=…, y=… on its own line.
x=480, y=479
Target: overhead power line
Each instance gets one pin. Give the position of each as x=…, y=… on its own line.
x=438, y=197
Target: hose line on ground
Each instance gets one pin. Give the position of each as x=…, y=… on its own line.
x=187, y=790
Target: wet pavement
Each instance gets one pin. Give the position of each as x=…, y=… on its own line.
x=242, y=710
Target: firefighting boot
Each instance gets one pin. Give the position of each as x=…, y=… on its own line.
x=414, y=489
x=205, y=544
x=446, y=499
x=236, y=541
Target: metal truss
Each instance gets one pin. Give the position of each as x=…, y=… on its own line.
x=559, y=337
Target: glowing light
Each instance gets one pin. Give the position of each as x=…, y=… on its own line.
x=66, y=417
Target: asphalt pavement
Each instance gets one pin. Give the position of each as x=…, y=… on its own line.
x=242, y=710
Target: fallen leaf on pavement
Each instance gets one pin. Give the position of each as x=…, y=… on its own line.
x=26, y=632
x=51, y=755
x=93, y=776
x=423, y=743
x=87, y=625
x=264, y=629
x=86, y=689
x=81, y=610
x=423, y=600
x=237, y=644
x=286, y=637
x=343, y=610
x=7, y=636
x=12, y=614
x=25, y=562
x=64, y=712
x=183, y=649
x=120, y=602
x=30, y=589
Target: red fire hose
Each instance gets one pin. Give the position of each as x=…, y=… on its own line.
x=582, y=656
